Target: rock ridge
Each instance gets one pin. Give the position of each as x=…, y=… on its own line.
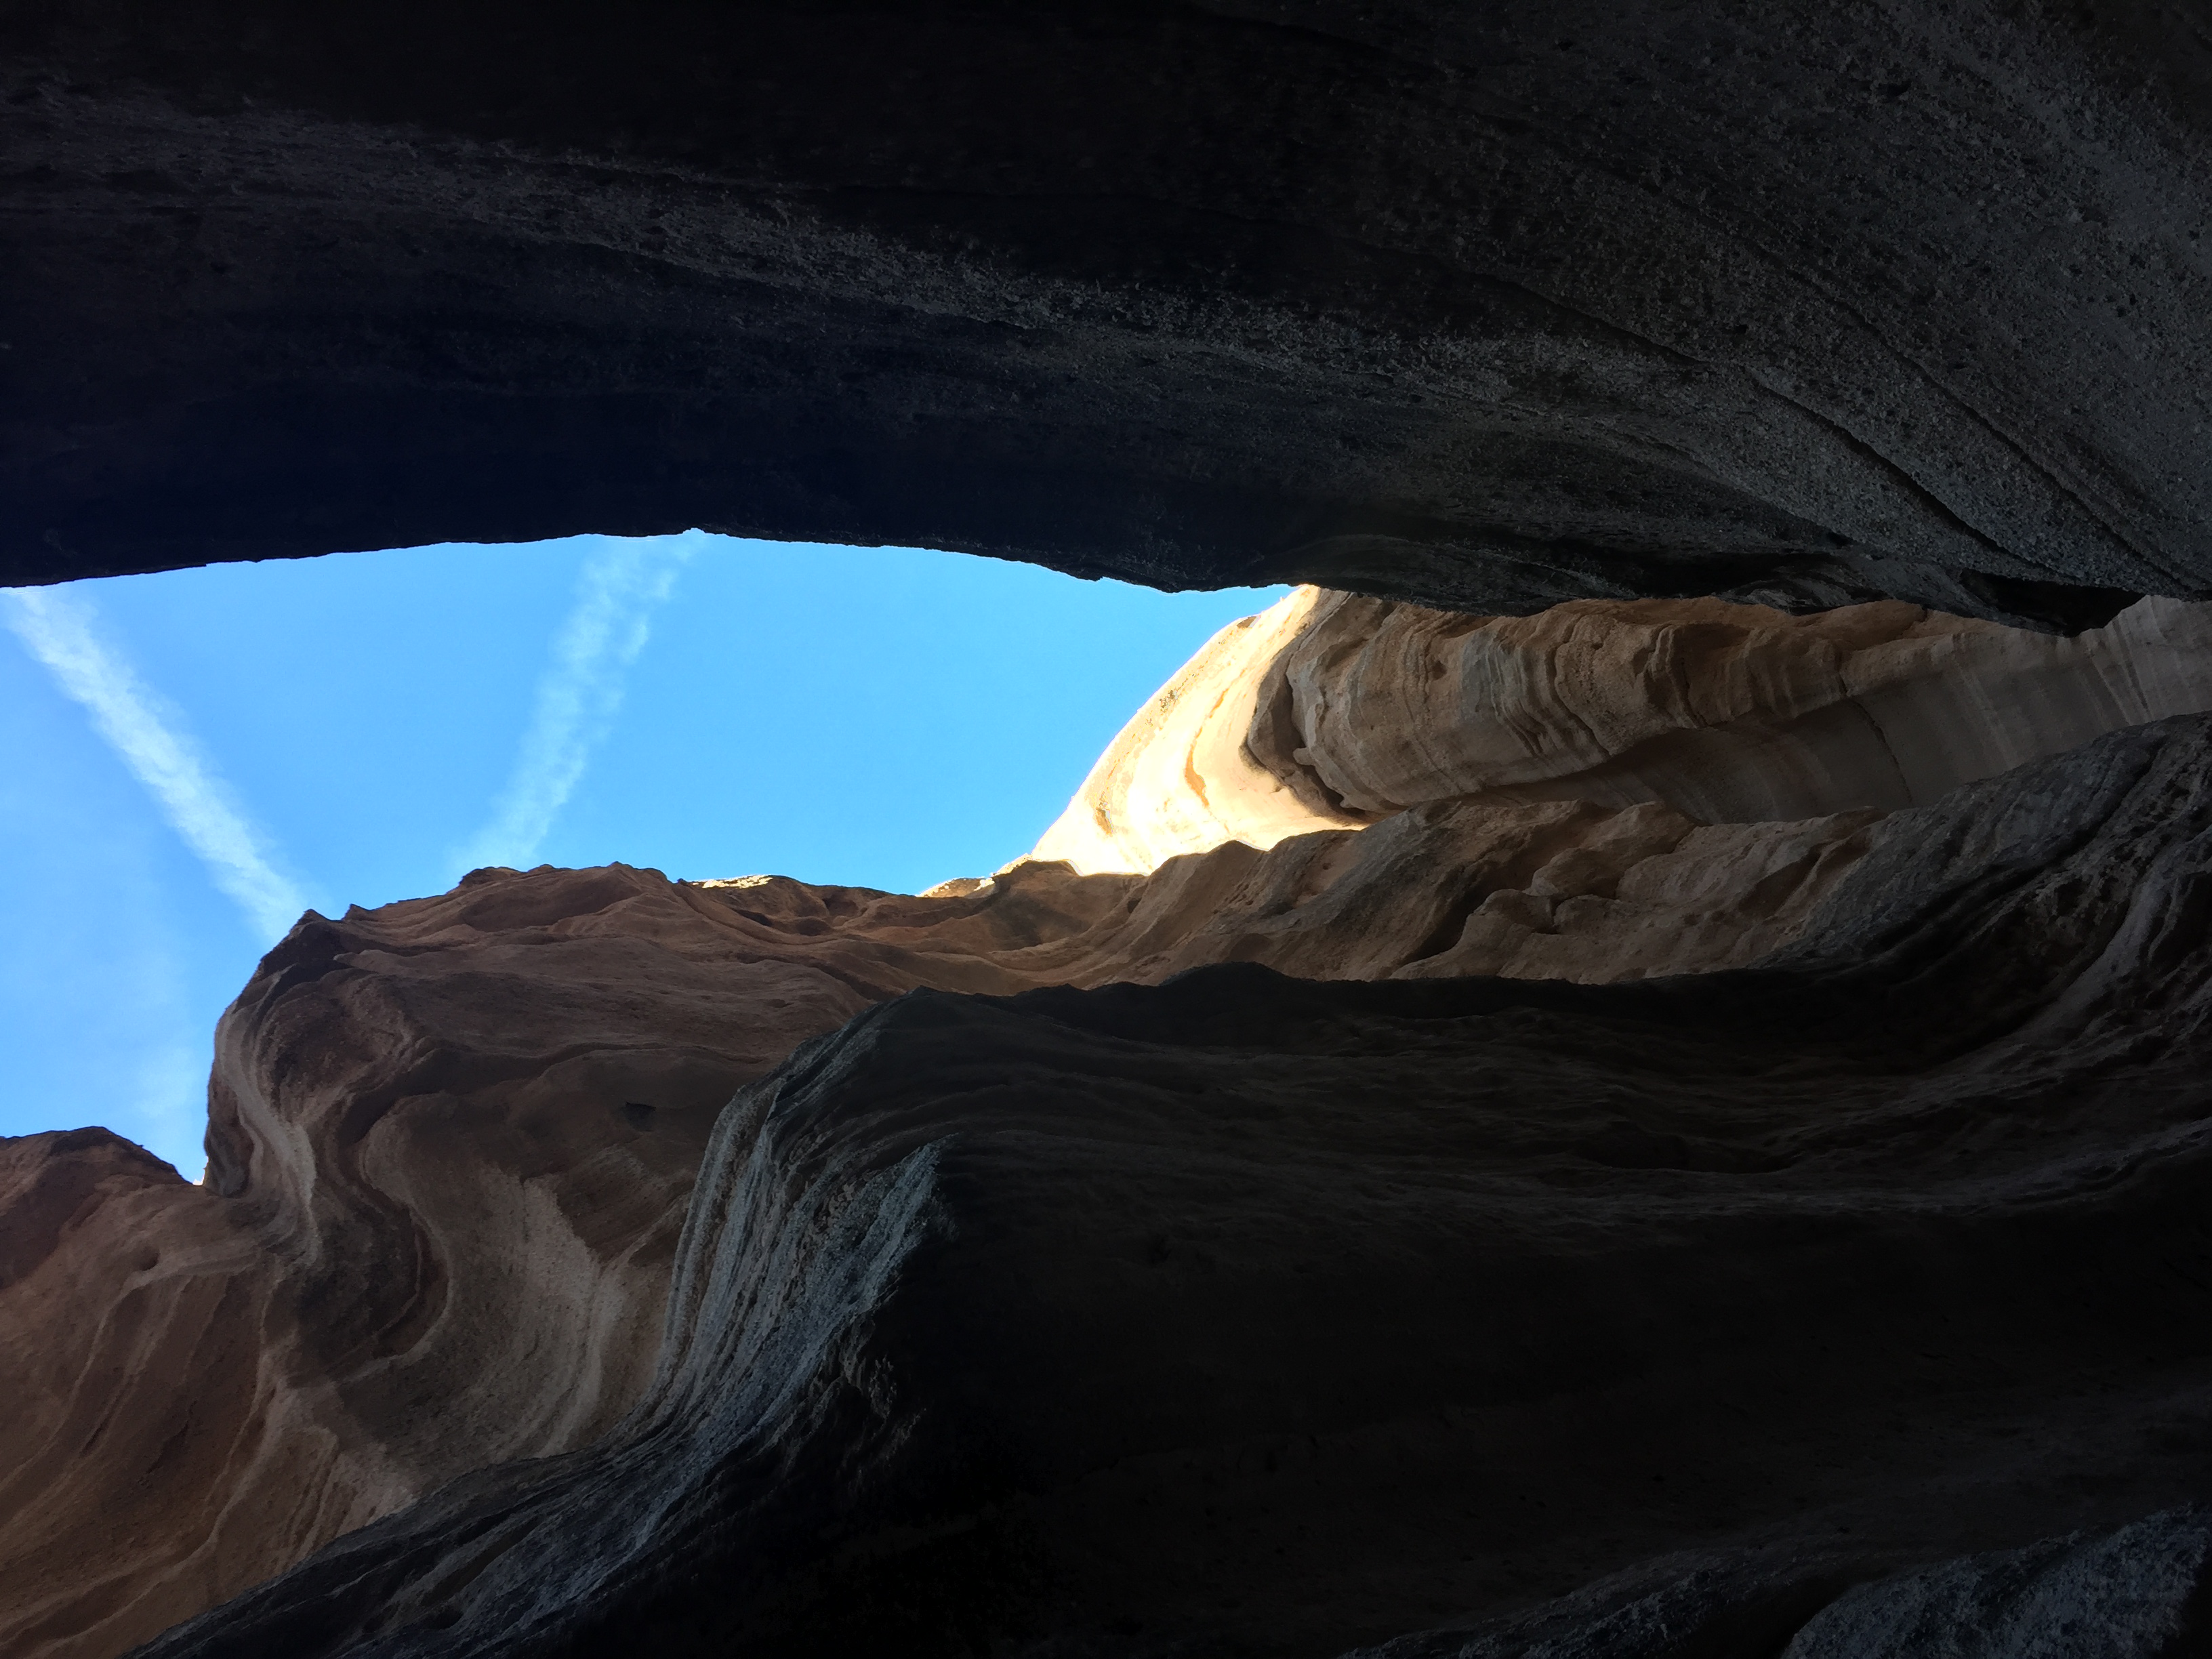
x=1334, y=711
x=1842, y=1292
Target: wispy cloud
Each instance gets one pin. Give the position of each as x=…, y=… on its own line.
x=622, y=582
x=60, y=630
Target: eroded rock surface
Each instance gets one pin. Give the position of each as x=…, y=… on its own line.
x=1730, y=713
x=1488, y=307
x=453, y=1144
x=1333, y=710
x=1245, y=1313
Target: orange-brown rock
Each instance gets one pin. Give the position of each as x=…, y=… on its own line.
x=1848, y=1306
x=452, y=1142
x=1331, y=711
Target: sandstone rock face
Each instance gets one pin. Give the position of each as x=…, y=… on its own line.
x=1181, y=777
x=1333, y=710
x=493, y=1304
x=1512, y=305
x=1730, y=713
x=1247, y=1313
x=449, y=1147
x=1169, y=1253
x=451, y=1143
x=131, y=1315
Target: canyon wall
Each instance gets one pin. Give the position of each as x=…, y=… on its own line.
x=1852, y=1300
x=454, y=1142
x=1651, y=1109
x=1488, y=308
x=1333, y=710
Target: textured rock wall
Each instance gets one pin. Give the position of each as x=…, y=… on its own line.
x=452, y=1142
x=1243, y=1312
x=1181, y=777
x=1333, y=710
x=1487, y=308
x=1729, y=712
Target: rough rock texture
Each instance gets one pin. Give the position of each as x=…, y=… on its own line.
x=1244, y=1314
x=1484, y=307
x=1331, y=711
x=452, y=1140
x=2132, y=1593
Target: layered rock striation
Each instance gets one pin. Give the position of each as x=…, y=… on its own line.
x=1333, y=710
x=451, y=1143
x=1452, y=1149
x=1654, y=1125
x=1488, y=308
x=1848, y=1301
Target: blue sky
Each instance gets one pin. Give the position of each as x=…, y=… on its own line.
x=192, y=757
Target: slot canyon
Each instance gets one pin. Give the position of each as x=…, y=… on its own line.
x=1623, y=1074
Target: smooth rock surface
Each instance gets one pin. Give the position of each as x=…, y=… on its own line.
x=446, y=1161
x=1732, y=713
x=1485, y=307
x=1181, y=776
x=1248, y=1314
x=452, y=1140
x=1331, y=711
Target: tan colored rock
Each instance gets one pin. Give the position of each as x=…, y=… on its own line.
x=1331, y=711
x=1179, y=777
x=1729, y=712
x=452, y=1140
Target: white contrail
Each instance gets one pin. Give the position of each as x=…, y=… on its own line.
x=149, y=735
x=622, y=582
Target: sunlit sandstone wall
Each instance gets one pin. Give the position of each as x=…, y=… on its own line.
x=1332, y=709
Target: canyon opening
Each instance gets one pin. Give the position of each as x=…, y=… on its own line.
x=1608, y=1059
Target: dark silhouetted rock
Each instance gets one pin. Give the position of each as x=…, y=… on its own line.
x=1242, y=1314
x=2134, y=1593
x=1487, y=308
x=452, y=1140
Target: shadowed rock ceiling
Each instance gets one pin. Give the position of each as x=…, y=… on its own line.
x=1483, y=305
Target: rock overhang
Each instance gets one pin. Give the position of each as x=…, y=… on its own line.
x=1482, y=310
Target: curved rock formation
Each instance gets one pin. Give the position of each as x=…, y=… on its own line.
x=1181, y=777
x=1241, y=1312
x=1332, y=711
x=1732, y=713
x=1485, y=309
x=445, y=1171
x=453, y=1142
x=1195, y=1249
